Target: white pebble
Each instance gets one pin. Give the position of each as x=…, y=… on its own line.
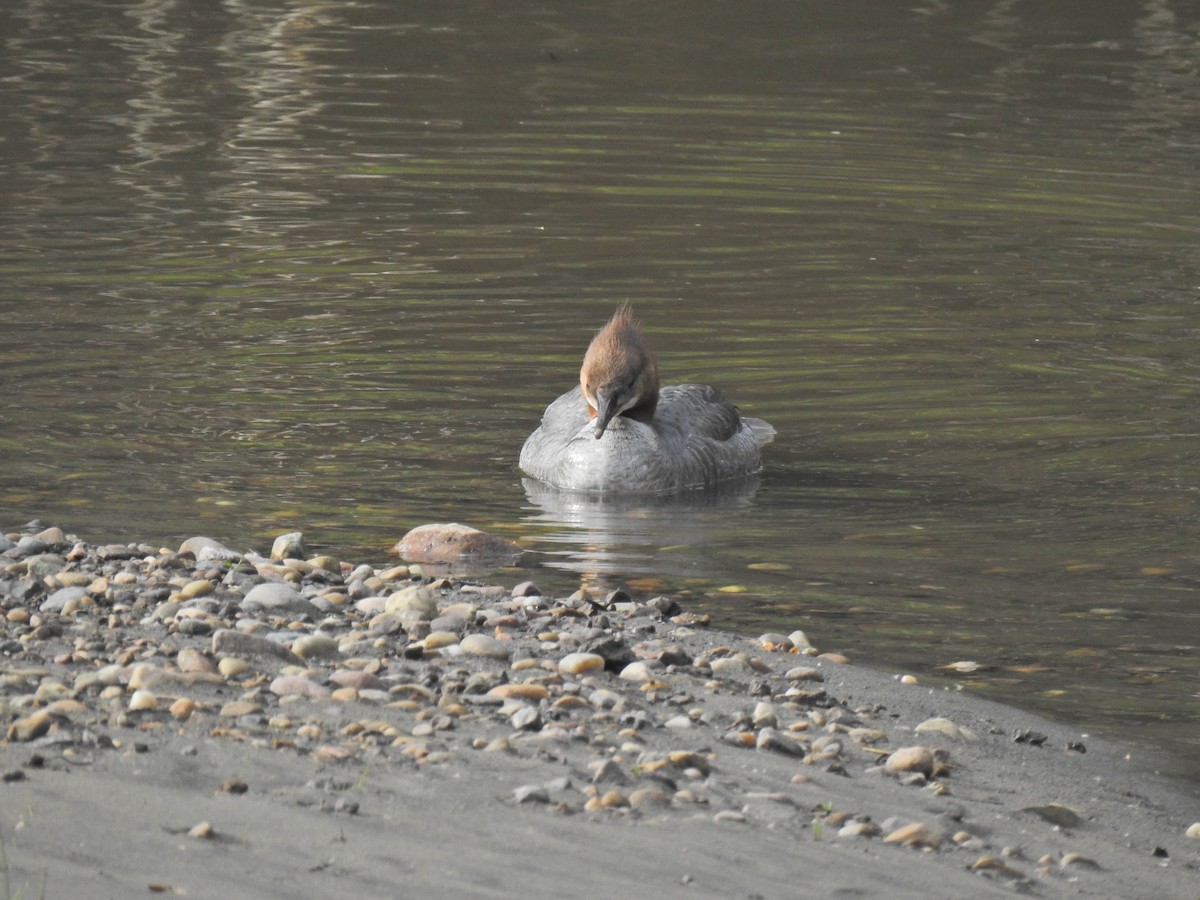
x=142, y=700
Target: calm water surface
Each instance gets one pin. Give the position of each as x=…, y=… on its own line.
x=302, y=265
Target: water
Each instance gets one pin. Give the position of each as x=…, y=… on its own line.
x=321, y=267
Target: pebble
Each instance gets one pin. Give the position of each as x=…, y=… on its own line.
x=911, y=759
x=62, y=598
x=531, y=793
x=770, y=739
x=288, y=546
x=298, y=684
x=858, y=830
x=1193, y=831
x=731, y=666
x=235, y=709
x=357, y=679
x=228, y=641
x=142, y=699
x=521, y=691
x=916, y=834
x=198, y=588
x=527, y=718
x=941, y=726
x=435, y=640
x=413, y=599
x=315, y=646
x=182, y=708
x=191, y=660
x=231, y=666
x=764, y=715
x=205, y=548
x=486, y=646
x=637, y=671
x=30, y=727
x=277, y=597
x=578, y=663
x=999, y=866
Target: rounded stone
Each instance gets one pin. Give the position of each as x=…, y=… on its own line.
x=764, y=715
x=298, y=684
x=483, y=645
x=198, y=588
x=636, y=671
x=357, y=679
x=578, y=663
x=911, y=759
x=916, y=834
x=315, y=646
x=799, y=640
x=142, y=700
x=414, y=599
x=730, y=666
x=182, y=708
x=192, y=660
x=231, y=666
x=288, y=546
x=276, y=597
x=941, y=726
x=438, y=639
x=59, y=600
x=207, y=548
x=519, y=691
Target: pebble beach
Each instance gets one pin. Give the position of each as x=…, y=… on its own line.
x=205, y=721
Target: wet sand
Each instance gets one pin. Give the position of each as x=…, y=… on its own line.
x=168, y=737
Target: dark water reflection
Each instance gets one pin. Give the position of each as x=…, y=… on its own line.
x=318, y=266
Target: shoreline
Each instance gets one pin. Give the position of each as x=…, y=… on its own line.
x=203, y=721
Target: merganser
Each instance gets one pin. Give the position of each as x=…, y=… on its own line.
x=619, y=432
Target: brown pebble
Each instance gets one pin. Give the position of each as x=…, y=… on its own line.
x=182, y=708
x=298, y=684
x=233, y=786
x=994, y=864
x=916, y=834
x=613, y=799
x=192, y=660
x=911, y=759
x=520, y=690
x=357, y=678
x=31, y=727
x=235, y=709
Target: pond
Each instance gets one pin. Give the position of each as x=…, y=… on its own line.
x=308, y=266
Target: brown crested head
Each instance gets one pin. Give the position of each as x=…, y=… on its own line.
x=619, y=375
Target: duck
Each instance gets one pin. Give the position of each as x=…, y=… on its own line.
x=619, y=431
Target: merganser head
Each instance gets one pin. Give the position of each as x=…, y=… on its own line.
x=619, y=376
